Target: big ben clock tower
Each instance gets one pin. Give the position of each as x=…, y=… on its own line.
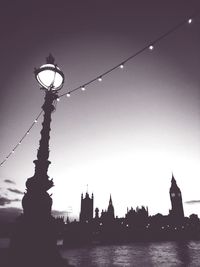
x=176, y=200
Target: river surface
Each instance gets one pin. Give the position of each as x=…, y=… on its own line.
x=158, y=254
x=161, y=254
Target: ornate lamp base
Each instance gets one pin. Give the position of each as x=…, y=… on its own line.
x=34, y=239
x=33, y=244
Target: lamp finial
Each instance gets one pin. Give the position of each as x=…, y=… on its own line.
x=50, y=59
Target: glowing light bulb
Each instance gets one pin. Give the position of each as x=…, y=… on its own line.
x=68, y=94
x=83, y=88
x=35, y=121
x=27, y=133
x=189, y=21
x=151, y=47
x=100, y=79
x=58, y=99
x=13, y=152
x=121, y=66
x=19, y=143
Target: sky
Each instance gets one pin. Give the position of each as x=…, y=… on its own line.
x=123, y=136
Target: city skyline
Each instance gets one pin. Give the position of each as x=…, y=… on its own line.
x=124, y=135
x=88, y=210
x=67, y=213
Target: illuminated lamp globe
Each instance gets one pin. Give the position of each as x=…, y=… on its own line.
x=49, y=76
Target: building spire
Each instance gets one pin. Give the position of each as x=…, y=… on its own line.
x=173, y=179
x=110, y=201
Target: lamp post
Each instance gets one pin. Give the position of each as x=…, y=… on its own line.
x=36, y=201
x=34, y=240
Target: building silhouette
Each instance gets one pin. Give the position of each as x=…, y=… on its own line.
x=86, y=214
x=137, y=217
x=109, y=214
x=96, y=213
x=111, y=211
x=136, y=225
x=176, y=211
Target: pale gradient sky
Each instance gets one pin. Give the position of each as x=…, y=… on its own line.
x=125, y=135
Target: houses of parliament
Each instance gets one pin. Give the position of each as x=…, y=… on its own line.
x=136, y=225
x=86, y=215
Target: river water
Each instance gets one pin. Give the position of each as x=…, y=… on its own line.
x=158, y=254
x=161, y=254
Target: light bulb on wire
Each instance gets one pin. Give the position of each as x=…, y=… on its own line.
x=151, y=47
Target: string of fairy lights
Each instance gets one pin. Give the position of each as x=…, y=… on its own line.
x=150, y=46
x=22, y=138
x=121, y=65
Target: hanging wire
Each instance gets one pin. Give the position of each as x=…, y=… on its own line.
x=23, y=137
x=99, y=78
x=149, y=46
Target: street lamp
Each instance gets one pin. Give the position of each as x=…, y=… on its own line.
x=36, y=201
x=34, y=240
x=49, y=76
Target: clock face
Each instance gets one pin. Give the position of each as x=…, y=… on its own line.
x=173, y=194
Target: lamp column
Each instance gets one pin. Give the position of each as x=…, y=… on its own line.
x=36, y=201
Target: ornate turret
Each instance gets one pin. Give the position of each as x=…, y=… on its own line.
x=96, y=213
x=86, y=214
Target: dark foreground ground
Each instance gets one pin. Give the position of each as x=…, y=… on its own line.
x=3, y=256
